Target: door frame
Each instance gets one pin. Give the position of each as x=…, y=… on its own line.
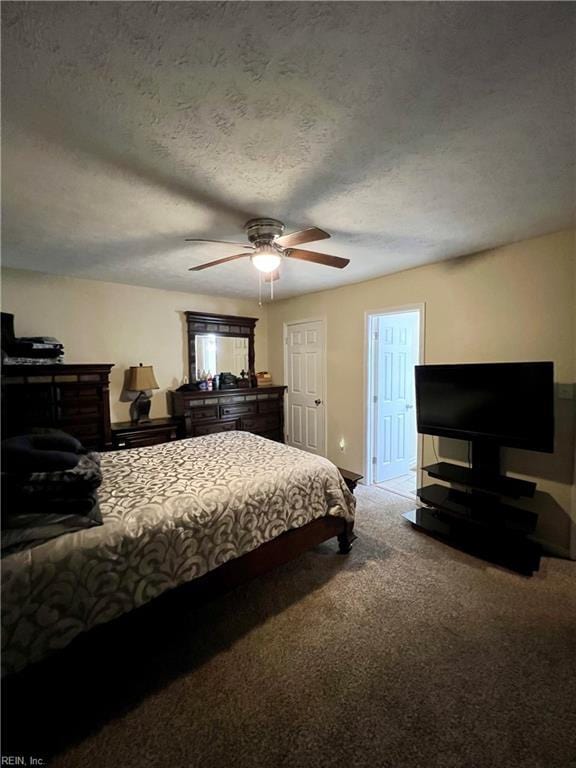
x=419, y=307
x=286, y=325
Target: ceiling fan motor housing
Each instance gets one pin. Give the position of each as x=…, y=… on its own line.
x=262, y=231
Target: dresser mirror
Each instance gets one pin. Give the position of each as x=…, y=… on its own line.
x=215, y=354
x=220, y=343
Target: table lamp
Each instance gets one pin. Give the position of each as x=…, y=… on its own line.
x=141, y=379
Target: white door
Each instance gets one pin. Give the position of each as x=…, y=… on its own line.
x=395, y=352
x=305, y=409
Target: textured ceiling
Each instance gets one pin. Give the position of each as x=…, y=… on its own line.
x=413, y=132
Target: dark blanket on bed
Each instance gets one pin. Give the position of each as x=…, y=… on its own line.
x=41, y=451
x=49, y=488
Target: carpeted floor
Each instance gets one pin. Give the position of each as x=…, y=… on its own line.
x=405, y=654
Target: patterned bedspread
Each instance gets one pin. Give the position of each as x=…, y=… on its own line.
x=171, y=513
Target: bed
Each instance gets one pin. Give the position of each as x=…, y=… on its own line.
x=221, y=507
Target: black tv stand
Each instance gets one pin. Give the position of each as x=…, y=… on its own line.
x=475, y=515
x=486, y=457
x=505, y=486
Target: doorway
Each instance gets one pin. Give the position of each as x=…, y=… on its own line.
x=305, y=368
x=394, y=347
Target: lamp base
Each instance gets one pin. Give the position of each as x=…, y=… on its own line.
x=140, y=409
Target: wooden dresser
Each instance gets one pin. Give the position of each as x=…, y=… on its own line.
x=74, y=398
x=253, y=410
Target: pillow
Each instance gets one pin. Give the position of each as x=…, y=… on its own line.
x=55, y=440
x=31, y=453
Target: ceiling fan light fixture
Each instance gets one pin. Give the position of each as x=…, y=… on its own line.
x=266, y=258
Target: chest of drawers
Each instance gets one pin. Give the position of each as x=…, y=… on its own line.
x=74, y=398
x=260, y=411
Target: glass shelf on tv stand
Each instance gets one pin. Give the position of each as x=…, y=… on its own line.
x=500, y=484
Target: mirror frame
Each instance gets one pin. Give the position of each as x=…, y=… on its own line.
x=220, y=325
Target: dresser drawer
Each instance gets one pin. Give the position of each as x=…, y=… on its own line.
x=68, y=421
x=211, y=429
x=269, y=406
x=237, y=410
x=80, y=392
x=143, y=435
x=78, y=409
x=262, y=423
x=143, y=440
x=203, y=413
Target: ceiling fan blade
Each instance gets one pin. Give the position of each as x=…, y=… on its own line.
x=271, y=277
x=317, y=258
x=224, y=242
x=218, y=261
x=304, y=236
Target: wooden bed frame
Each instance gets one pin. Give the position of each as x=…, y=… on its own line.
x=272, y=554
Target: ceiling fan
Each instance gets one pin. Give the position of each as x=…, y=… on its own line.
x=268, y=246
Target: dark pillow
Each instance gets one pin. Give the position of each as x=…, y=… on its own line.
x=55, y=440
x=23, y=454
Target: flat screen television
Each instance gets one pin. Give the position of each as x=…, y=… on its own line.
x=507, y=404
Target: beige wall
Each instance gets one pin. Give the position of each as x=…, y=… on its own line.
x=111, y=323
x=512, y=303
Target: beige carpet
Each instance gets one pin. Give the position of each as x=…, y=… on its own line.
x=406, y=653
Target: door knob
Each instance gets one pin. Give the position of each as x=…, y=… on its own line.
x=317, y=402
x=408, y=406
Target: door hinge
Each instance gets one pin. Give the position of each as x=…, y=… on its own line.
x=375, y=398
x=375, y=336
x=374, y=460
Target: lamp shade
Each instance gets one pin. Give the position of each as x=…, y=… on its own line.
x=141, y=377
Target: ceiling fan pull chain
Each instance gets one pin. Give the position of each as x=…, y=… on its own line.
x=272, y=288
x=259, y=288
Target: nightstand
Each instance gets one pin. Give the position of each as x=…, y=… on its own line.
x=126, y=434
